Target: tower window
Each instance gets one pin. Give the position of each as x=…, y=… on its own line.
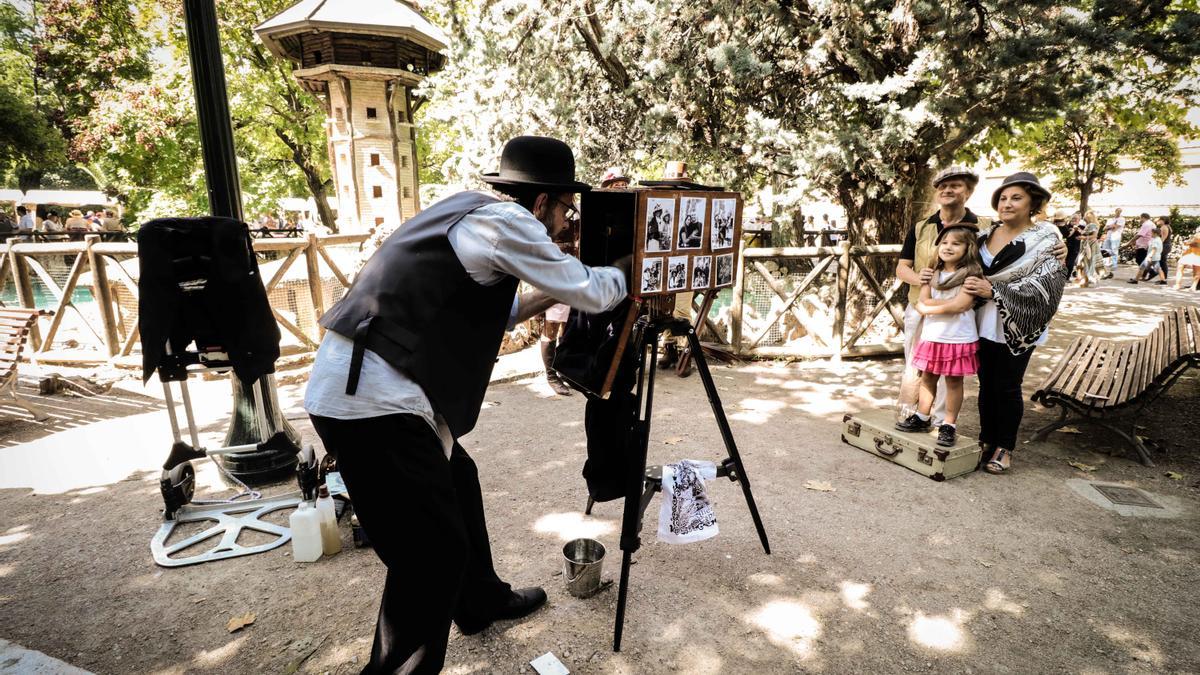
x=372, y=113
x=374, y=159
x=406, y=192
x=339, y=115
x=400, y=116
x=316, y=57
x=376, y=191
x=403, y=161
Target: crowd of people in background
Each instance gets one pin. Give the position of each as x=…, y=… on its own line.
x=1095, y=247
x=55, y=225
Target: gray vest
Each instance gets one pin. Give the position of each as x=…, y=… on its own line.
x=415, y=306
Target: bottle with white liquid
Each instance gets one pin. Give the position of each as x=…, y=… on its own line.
x=306, y=533
x=331, y=540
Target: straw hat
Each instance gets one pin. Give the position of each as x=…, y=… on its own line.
x=76, y=213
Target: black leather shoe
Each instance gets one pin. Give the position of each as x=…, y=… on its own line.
x=521, y=603
x=947, y=435
x=913, y=424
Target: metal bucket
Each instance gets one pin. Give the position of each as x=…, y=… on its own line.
x=582, y=560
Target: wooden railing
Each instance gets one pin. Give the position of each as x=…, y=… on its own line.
x=106, y=329
x=827, y=307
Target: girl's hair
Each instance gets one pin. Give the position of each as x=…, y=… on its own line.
x=967, y=267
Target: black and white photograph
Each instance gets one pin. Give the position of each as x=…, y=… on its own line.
x=725, y=269
x=660, y=214
x=723, y=213
x=691, y=223
x=701, y=268
x=652, y=275
x=677, y=273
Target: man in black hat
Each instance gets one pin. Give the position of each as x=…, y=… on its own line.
x=401, y=375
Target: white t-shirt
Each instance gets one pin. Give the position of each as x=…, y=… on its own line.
x=953, y=329
x=987, y=317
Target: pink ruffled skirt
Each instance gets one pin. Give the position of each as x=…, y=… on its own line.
x=946, y=359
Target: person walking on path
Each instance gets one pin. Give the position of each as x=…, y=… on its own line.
x=1112, y=243
x=1141, y=242
x=952, y=187
x=1190, y=258
x=1164, y=232
x=1023, y=286
x=400, y=378
x=1149, y=267
x=946, y=350
x=1089, y=250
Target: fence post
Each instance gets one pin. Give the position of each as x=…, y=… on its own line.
x=839, y=308
x=102, y=292
x=735, y=310
x=312, y=259
x=20, y=274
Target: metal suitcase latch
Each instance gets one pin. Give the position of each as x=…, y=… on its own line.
x=924, y=457
x=854, y=428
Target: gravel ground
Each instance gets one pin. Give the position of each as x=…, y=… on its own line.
x=889, y=572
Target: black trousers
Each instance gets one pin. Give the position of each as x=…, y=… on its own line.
x=1001, y=403
x=424, y=517
x=1139, y=254
x=1073, y=245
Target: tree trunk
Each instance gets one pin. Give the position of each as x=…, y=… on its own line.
x=317, y=187
x=1085, y=194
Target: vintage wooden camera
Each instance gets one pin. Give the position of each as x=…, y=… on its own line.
x=682, y=240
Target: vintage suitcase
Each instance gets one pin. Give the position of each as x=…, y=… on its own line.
x=875, y=432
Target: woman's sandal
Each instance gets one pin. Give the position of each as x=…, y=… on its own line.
x=995, y=465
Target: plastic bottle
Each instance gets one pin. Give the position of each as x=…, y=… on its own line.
x=331, y=539
x=306, y=533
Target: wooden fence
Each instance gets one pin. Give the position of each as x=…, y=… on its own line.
x=815, y=302
x=105, y=329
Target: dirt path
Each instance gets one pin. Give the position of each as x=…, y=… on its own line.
x=890, y=572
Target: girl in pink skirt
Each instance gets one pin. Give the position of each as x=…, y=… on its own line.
x=948, y=336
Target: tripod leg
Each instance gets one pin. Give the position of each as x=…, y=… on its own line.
x=622, y=592
x=714, y=400
x=645, y=339
x=590, y=503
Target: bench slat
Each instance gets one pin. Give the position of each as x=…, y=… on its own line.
x=1110, y=387
x=1048, y=384
x=1194, y=316
x=1173, y=340
x=1091, y=390
x=1130, y=374
x=1146, y=374
x=1080, y=367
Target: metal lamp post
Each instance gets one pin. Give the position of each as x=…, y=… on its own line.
x=225, y=199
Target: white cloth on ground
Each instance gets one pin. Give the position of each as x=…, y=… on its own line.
x=686, y=515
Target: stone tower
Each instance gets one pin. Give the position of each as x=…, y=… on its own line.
x=362, y=58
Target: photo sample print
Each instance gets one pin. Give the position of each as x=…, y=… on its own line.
x=724, y=212
x=701, y=267
x=691, y=223
x=725, y=269
x=677, y=273
x=660, y=214
x=652, y=275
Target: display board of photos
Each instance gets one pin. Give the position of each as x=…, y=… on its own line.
x=685, y=241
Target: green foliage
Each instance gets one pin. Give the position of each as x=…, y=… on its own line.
x=1081, y=148
x=860, y=102
x=1184, y=226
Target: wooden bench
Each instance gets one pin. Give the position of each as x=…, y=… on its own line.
x=1110, y=383
x=15, y=323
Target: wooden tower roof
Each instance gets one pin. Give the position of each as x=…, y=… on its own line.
x=395, y=19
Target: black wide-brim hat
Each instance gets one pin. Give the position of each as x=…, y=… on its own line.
x=1025, y=179
x=537, y=161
